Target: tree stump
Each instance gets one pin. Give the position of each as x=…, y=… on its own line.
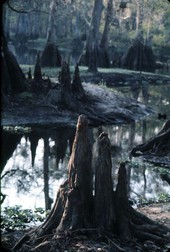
x=37, y=70
x=67, y=96
x=139, y=57
x=122, y=206
x=76, y=85
x=104, y=209
x=51, y=56
x=107, y=213
x=77, y=212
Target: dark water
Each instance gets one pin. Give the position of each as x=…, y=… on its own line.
x=35, y=159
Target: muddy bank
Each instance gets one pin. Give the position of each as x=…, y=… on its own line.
x=125, y=78
x=102, y=106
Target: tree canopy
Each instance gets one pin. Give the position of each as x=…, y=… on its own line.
x=69, y=24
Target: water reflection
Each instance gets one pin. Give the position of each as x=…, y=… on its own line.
x=38, y=165
x=34, y=162
x=24, y=53
x=36, y=158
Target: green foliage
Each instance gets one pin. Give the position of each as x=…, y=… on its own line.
x=13, y=218
x=17, y=129
x=162, y=170
x=72, y=20
x=164, y=197
x=53, y=72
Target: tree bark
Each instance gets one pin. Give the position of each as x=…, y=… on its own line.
x=103, y=52
x=139, y=56
x=37, y=70
x=13, y=79
x=104, y=208
x=77, y=210
x=139, y=16
x=51, y=30
x=80, y=172
x=123, y=218
x=67, y=96
x=51, y=56
x=93, y=38
x=76, y=85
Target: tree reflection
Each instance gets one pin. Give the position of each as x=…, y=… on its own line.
x=23, y=152
x=63, y=139
x=33, y=138
x=10, y=142
x=31, y=168
x=48, y=200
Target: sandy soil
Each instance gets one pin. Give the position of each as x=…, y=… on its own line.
x=157, y=212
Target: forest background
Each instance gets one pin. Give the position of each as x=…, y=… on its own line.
x=111, y=26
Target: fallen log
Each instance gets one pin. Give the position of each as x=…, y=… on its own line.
x=158, y=145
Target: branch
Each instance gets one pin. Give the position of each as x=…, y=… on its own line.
x=13, y=170
x=23, y=11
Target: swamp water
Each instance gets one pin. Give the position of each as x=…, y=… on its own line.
x=36, y=164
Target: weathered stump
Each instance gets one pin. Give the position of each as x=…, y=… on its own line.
x=67, y=96
x=37, y=70
x=51, y=56
x=123, y=217
x=139, y=57
x=104, y=209
x=76, y=85
x=77, y=210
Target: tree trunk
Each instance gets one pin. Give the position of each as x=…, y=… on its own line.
x=103, y=52
x=139, y=56
x=104, y=208
x=92, y=45
x=51, y=31
x=6, y=21
x=51, y=56
x=22, y=32
x=13, y=79
x=77, y=210
x=123, y=217
x=34, y=24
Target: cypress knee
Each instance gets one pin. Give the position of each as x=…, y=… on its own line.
x=104, y=211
